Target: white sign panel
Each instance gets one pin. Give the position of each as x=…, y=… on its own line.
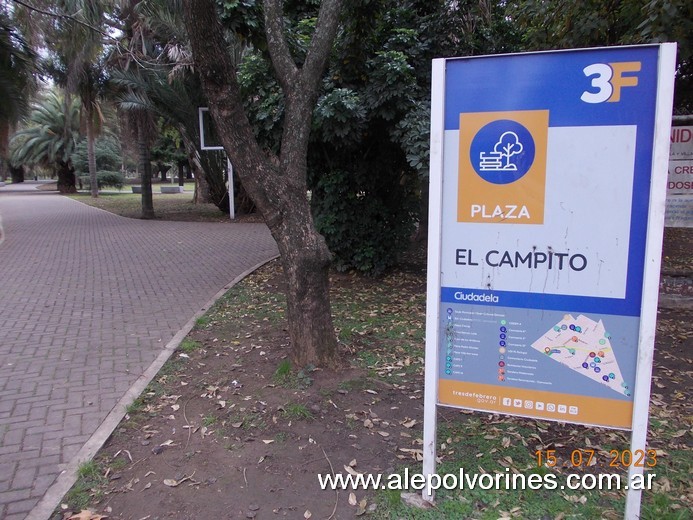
x=548, y=181
x=680, y=180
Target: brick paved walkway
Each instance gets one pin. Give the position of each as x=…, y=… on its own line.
x=87, y=301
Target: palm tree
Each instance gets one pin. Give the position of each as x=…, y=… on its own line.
x=76, y=41
x=50, y=139
x=17, y=64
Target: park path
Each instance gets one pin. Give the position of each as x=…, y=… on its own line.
x=88, y=301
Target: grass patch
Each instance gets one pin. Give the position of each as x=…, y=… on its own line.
x=203, y=321
x=166, y=206
x=479, y=448
x=90, y=480
x=136, y=406
x=283, y=372
x=188, y=346
x=297, y=411
x=284, y=376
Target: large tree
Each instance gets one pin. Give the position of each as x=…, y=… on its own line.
x=50, y=138
x=277, y=182
x=17, y=65
x=73, y=32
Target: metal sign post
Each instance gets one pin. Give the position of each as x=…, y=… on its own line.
x=209, y=146
x=547, y=196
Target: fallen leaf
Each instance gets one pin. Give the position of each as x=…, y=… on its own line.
x=352, y=499
x=307, y=514
x=170, y=482
x=87, y=514
x=351, y=471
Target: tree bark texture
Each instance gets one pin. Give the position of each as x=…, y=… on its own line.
x=91, y=155
x=277, y=184
x=202, y=195
x=4, y=149
x=66, y=177
x=146, y=170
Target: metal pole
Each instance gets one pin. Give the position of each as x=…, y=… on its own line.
x=653, y=256
x=232, y=208
x=430, y=426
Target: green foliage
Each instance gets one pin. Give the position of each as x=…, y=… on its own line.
x=366, y=219
x=17, y=62
x=370, y=131
x=51, y=135
x=264, y=99
x=106, y=150
x=340, y=116
x=106, y=179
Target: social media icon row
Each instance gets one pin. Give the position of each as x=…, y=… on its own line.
x=540, y=406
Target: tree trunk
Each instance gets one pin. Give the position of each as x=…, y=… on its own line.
x=4, y=149
x=306, y=261
x=66, y=177
x=202, y=195
x=163, y=169
x=421, y=234
x=145, y=166
x=91, y=156
x=277, y=185
x=181, y=173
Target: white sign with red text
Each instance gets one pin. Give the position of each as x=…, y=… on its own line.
x=680, y=180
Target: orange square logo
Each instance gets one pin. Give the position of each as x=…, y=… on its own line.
x=502, y=167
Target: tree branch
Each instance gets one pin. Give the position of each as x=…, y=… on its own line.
x=303, y=93
x=66, y=16
x=283, y=63
x=321, y=43
x=218, y=76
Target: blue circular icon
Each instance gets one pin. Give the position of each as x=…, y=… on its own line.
x=501, y=343
x=502, y=151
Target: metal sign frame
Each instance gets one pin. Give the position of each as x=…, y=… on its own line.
x=229, y=166
x=665, y=64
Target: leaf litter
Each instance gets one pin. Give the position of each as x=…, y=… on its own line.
x=253, y=453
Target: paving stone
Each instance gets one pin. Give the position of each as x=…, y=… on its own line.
x=89, y=300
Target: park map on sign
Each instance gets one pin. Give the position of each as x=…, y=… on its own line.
x=584, y=345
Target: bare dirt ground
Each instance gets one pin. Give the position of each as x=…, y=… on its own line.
x=227, y=432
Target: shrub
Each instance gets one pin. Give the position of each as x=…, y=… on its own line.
x=366, y=226
x=105, y=179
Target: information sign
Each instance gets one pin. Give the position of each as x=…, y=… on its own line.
x=547, y=198
x=680, y=182
x=547, y=162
